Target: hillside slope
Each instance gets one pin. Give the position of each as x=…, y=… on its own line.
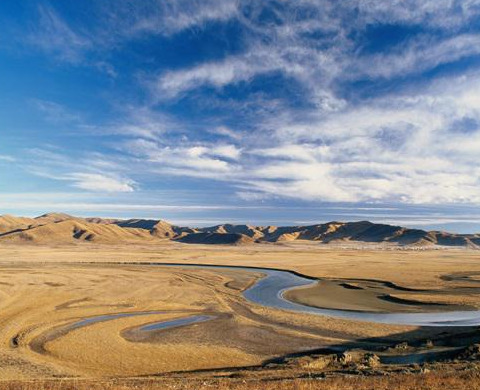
x=70, y=231
x=63, y=228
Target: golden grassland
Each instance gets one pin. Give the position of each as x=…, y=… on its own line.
x=46, y=289
x=431, y=381
x=412, y=268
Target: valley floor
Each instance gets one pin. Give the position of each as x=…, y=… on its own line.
x=93, y=312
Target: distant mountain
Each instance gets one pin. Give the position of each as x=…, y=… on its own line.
x=63, y=228
x=70, y=231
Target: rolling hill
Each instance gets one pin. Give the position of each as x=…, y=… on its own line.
x=63, y=228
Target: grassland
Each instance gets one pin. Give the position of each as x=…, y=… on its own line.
x=46, y=290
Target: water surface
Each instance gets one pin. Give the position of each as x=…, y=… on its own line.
x=175, y=323
x=269, y=291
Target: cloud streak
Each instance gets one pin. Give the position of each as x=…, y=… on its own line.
x=7, y=158
x=100, y=183
x=54, y=36
x=358, y=101
x=117, y=24
x=91, y=172
x=406, y=147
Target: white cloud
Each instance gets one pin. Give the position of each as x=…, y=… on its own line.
x=225, y=131
x=417, y=56
x=299, y=180
x=166, y=17
x=418, y=145
x=90, y=171
x=285, y=44
x=55, y=37
x=396, y=148
x=54, y=112
x=100, y=183
x=214, y=74
x=333, y=55
x=143, y=122
x=405, y=147
x=120, y=22
x=447, y=14
x=188, y=160
x=226, y=151
x=6, y=158
x=292, y=58
x=297, y=152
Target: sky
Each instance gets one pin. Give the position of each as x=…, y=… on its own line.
x=274, y=112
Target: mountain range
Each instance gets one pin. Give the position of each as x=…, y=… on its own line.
x=62, y=228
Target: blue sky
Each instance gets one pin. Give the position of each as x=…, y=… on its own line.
x=272, y=112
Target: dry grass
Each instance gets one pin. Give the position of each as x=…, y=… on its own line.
x=408, y=268
x=65, y=291
x=430, y=381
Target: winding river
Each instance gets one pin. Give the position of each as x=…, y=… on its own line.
x=269, y=291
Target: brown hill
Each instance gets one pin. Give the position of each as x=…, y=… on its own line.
x=362, y=231
x=9, y=223
x=247, y=230
x=64, y=228
x=156, y=228
x=70, y=231
x=54, y=217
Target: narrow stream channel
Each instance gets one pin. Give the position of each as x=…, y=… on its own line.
x=175, y=323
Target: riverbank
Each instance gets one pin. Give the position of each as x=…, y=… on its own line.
x=379, y=296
